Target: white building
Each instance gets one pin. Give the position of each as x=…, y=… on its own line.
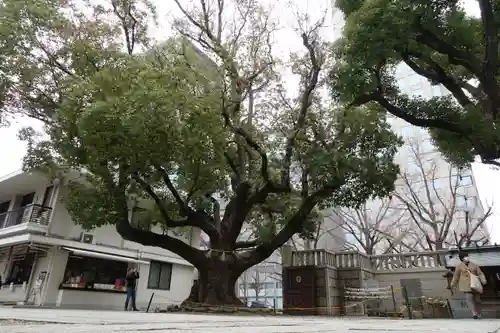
x=47, y=260
x=468, y=203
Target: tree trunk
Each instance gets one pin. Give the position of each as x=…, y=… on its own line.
x=215, y=286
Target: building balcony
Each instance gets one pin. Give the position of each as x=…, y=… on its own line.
x=30, y=218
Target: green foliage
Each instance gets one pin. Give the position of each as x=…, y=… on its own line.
x=440, y=42
x=164, y=125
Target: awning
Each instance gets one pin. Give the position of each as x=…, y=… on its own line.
x=104, y=255
x=482, y=259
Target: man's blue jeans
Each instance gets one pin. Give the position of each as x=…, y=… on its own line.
x=130, y=296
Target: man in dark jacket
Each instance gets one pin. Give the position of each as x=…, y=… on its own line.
x=131, y=278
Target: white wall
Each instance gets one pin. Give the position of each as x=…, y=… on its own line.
x=62, y=225
x=55, y=266
x=182, y=276
x=3, y=269
x=90, y=300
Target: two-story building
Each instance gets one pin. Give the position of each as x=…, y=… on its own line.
x=47, y=260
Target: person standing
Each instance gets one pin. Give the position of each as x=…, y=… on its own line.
x=131, y=279
x=462, y=278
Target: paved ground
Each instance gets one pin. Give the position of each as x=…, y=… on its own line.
x=78, y=321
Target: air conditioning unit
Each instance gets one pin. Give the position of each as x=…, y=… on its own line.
x=87, y=238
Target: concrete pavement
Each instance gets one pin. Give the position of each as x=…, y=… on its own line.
x=84, y=321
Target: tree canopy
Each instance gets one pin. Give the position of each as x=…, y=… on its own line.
x=199, y=124
x=439, y=41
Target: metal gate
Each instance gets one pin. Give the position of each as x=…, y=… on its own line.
x=299, y=290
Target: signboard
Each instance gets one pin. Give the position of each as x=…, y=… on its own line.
x=40, y=279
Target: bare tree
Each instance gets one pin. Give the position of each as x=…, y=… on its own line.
x=257, y=285
x=435, y=198
x=372, y=226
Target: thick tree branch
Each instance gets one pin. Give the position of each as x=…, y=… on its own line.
x=216, y=211
x=306, y=100
x=264, y=250
x=491, y=31
x=436, y=73
x=246, y=244
x=192, y=219
x=378, y=96
x=183, y=207
x=128, y=22
x=148, y=238
x=456, y=56
x=461, y=57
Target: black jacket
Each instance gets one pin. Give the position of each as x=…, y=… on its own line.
x=132, y=279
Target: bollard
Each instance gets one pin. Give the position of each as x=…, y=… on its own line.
x=150, y=300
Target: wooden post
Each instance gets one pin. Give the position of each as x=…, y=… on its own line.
x=393, y=299
x=407, y=301
x=450, y=312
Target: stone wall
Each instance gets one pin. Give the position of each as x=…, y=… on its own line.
x=330, y=283
x=328, y=293
x=420, y=273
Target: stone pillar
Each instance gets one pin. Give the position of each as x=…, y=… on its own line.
x=55, y=275
x=286, y=255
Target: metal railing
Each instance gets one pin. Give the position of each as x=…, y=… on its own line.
x=353, y=259
x=30, y=214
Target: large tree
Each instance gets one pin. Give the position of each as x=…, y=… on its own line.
x=439, y=41
x=187, y=128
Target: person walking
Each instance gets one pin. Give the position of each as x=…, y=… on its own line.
x=131, y=279
x=464, y=273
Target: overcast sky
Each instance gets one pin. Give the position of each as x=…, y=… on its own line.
x=487, y=180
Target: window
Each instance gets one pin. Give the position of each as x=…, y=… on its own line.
x=160, y=275
x=140, y=219
x=27, y=199
x=94, y=273
x=47, y=197
x=4, y=208
x=21, y=269
x=438, y=183
x=414, y=80
x=278, y=285
x=437, y=91
x=268, y=285
x=465, y=180
x=465, y=203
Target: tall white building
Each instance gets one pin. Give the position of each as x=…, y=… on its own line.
x=450, y=183
x=428, y=180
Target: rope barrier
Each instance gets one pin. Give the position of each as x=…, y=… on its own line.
x=264, y=309
x=358, y=297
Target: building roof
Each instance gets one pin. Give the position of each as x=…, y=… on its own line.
x=488, y=255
